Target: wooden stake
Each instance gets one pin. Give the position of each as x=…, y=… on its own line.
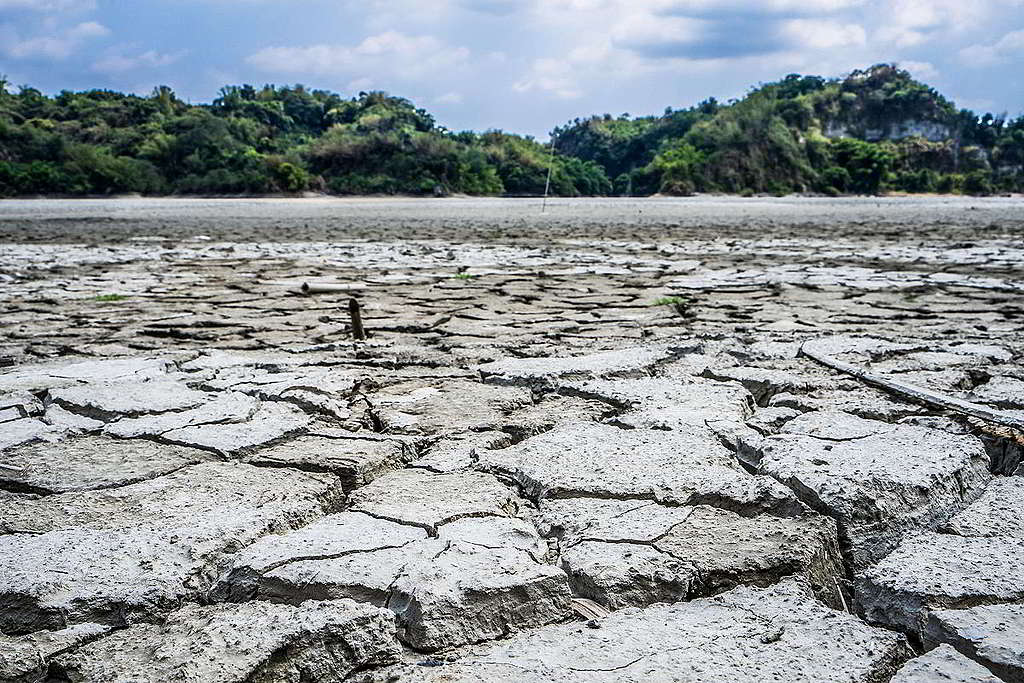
x=358, y=333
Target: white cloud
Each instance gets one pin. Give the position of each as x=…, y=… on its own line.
x=924, y=71
x=392, y=52
x=909, y=23
x=449, y=98
x=1003, y=50
x=550, y=75
x=819, y=34
x=120, y=63
x=59, y=46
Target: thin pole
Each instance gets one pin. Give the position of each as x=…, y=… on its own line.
x=358, y=333
x=547, y=185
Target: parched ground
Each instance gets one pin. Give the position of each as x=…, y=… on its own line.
x=581, y=444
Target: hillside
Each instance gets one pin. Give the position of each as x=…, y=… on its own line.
x=262, y=140
x=872, y=131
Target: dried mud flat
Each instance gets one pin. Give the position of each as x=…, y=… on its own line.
x=582, y=445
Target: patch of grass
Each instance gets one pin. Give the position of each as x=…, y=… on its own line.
x=464, y=276
x=671, y=301
x=106, y=298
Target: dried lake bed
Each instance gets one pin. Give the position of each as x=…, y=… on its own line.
x=580, y=443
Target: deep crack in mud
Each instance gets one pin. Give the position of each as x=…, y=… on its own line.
x=203, y=478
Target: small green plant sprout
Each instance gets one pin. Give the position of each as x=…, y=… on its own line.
x=464, y=276
x=108, y=298
x=683, y=305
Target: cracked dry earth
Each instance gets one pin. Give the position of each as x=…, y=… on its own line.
x=527, y=473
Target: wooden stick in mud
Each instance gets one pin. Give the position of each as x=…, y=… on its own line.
x=329, y=287
x=915, y=393
x=358, y=333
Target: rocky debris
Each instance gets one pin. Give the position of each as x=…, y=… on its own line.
x=345, y=555
x=552, y=410
x=27, y=430
x=545, y=372
x=225, y=408
x=455, y=555
x=664, y=403
x=763, y=383
x=270, y=423
x=72, y=423
x=91, y=463
x=930, y=571
x=878, y=481
x=745, y=635
x=630, y=553
x=768, y=421
x=990, y=634
x=865, y=402
x=481, y=578
x=461, y=451
x=257, y=641
x=26, y=659
x=943, y=664
x=471, y=591
x=16, y=406
x=135, y=551
x=420, y=498
x=316, y=390
x=860, y=348
x=429, y=408
x=356, y=460
x=998, y=512
x=36, y=378
x=127, y=398
x=672, y=467
x=1001, y=392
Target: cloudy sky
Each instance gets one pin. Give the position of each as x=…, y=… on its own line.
x=522, y=65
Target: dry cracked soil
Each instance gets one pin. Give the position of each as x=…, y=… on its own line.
x=583, y=444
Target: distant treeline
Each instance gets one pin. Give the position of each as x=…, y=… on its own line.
x=872, y=131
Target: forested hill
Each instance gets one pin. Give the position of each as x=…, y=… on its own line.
x=873, y=131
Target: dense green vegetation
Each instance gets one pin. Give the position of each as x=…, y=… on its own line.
x=875, y=130
x=273, y=139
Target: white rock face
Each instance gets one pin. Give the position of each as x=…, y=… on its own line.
x=933, y=131
x=635, y=362
x=257, y=641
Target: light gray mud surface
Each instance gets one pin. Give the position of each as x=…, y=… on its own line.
x=578, y=445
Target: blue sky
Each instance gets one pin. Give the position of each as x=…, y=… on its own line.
x=521, y=65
